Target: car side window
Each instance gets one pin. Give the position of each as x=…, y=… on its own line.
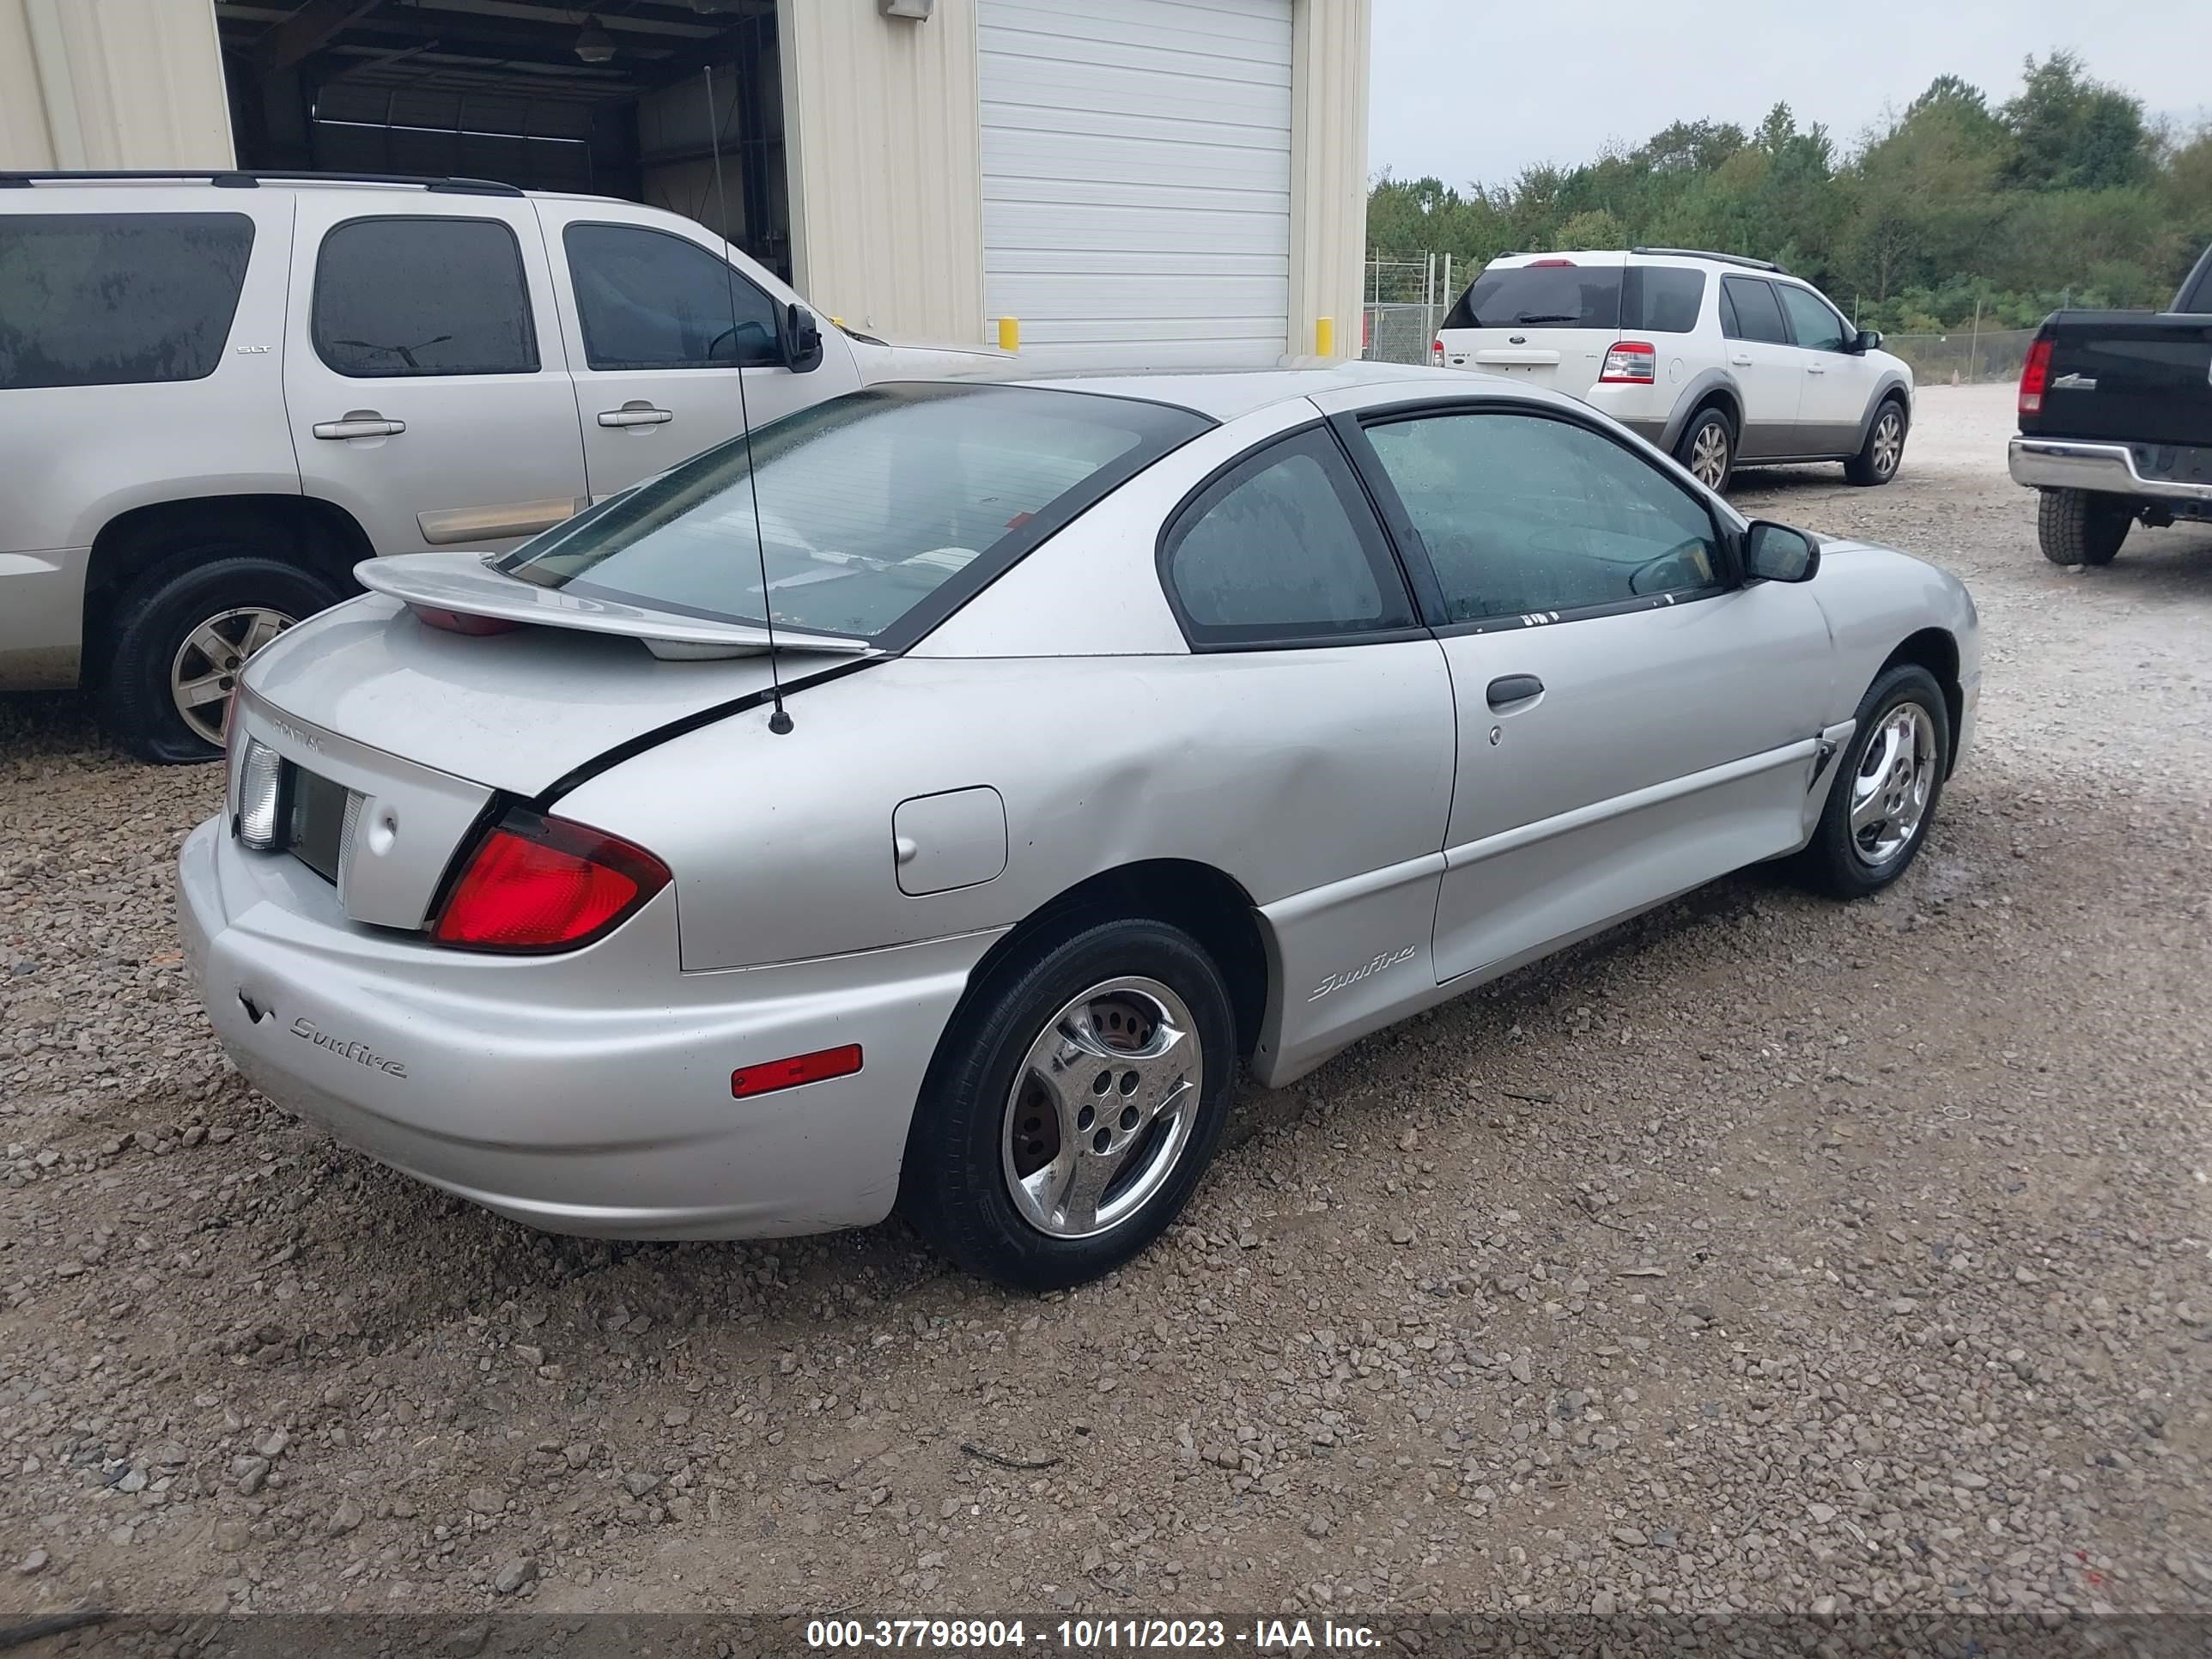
x=1751, y=303
x=1815, y=325
x=400, y=296
x=1524, y=515
x=646, y=299
x=117, y=299
x=1282, y=548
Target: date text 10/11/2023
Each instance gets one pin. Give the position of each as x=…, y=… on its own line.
x=1091, y=1635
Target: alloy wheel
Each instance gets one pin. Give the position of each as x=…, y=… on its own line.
x=1893, y=785
x=205, y=672
x=1708, y=455
x=1888, y=442
x=1102, y=1108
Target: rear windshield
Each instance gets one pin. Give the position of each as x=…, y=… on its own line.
x=878, y=511
x=1541, y=296
x=115, y=299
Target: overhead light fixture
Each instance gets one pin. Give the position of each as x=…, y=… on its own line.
x=593, y=44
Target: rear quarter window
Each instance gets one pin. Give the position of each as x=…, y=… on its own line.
x=1661, y=299
x=117, y=299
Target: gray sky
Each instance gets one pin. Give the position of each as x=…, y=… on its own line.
x=1476, y=90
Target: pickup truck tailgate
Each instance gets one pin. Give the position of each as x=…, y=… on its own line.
x=2125, y=377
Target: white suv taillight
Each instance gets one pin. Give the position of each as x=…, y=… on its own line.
x=1631, y=363
x=260, y=783
x=1437, y=351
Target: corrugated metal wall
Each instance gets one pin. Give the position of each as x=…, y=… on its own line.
x=884, y=151
x=111, y=83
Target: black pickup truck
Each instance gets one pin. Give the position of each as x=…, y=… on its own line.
x=2116, y=421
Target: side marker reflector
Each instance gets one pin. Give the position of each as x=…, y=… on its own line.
x=766, y=1079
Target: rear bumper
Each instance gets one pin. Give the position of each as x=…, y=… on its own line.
x=592, y=1099
x=2069, y=464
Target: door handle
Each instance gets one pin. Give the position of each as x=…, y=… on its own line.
x=635, y=414
x=1508, y=689
x=360, y=423
x=1741, y=363
x=1816, y=368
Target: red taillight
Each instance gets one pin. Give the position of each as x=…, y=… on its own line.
x=1437, y=352
x=2034, y=376
x=461, y=621
x=799, y=1068
x=1534, y=264
x=1630, y=363
x=540, y=884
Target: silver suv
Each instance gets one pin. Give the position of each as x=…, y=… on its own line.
x=219, y=392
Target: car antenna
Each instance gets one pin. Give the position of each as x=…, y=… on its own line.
x=780, y=721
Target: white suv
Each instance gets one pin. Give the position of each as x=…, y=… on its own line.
x=1721, y=362
x=219, y=392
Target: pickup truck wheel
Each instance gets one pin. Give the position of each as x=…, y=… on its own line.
x=1881, y=454
x=181, y=636
x=2081, y=526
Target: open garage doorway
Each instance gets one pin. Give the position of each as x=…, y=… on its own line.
x=610, y=101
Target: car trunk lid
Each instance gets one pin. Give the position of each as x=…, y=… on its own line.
x=396, y=739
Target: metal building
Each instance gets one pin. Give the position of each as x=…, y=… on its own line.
x=1135, y=180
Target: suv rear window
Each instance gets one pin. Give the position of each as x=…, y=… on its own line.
x=1541, y=296
x=117, y=299
x=1749, y=311
x=868, y=505
x=403, y=296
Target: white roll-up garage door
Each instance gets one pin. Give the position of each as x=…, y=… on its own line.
x=1136, y=178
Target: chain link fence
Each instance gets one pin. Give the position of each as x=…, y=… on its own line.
x=1962, y=358
x=1406, y=299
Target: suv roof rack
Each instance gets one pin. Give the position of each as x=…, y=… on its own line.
x=250, y=178
x=1724, y=258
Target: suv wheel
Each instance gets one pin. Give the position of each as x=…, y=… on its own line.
x=181, y=636
x=1879, y=458
x=1073, y=1108
x=1708, y=449
x=2081, y=526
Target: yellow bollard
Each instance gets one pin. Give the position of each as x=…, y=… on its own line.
x=1325, y=337
x=1009, y=334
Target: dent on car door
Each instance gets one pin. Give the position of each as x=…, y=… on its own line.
x=1286, y=589
x=1632, y=719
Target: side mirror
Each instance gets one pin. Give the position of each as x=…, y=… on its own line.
x=1869, y=339
x=1776, y=553
x=801, y=339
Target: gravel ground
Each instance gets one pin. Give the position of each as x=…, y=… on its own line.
x=1765, y=1253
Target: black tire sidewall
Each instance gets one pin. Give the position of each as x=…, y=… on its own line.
x=955, y=1185
x=1836, y=862
x=154, y=618
x=1862, y=468
x=1704, y=418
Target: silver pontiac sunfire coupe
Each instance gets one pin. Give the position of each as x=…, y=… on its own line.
x=1128, y=727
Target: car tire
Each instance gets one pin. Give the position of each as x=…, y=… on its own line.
x=1707, y=448
x=2081, y=526
x=989, y=1119
x=1883, y=451
x=1903, y=720
x=181, y=631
